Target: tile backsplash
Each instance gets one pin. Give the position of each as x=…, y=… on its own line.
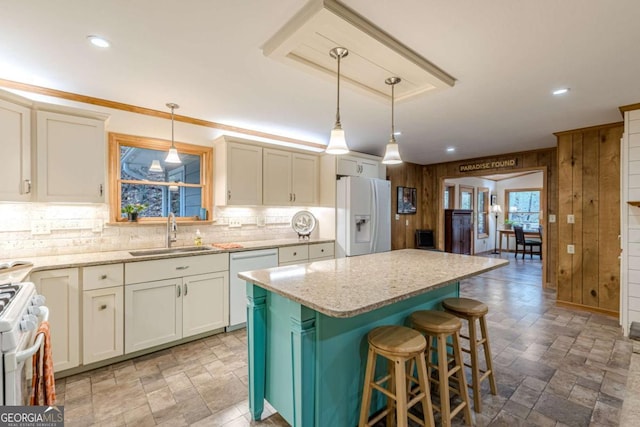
x=37, y=229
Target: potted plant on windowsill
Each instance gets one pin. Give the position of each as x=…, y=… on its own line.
x=132, y=210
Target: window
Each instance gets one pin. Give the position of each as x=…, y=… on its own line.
x=483, y=213
x=523, y=207
x=466, y=197
x=182, y=188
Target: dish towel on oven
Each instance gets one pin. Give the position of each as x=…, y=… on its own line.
x=44, y=386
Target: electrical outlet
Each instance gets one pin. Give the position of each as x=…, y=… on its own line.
x=571, y=249
x=235, y=223
x=261, y=221
x=97, y=226
x=397, y=217
x=40, y=227
x=571, y=219
x=552, y=218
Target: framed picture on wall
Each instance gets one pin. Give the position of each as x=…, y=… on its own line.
x=494, y=199
x=407, y=200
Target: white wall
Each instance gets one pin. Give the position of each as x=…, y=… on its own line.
x=630, y=222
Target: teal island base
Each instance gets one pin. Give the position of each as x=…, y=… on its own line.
x=310, y=366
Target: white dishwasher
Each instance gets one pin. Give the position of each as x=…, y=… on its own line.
x=245, y=261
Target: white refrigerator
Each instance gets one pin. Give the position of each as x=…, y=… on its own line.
x=363, y=216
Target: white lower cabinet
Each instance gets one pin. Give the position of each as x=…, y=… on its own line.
x=61, y=288
x=152, y=314
x=102, y=322
x=161, y=311
x=300, y=254
x=205, y=304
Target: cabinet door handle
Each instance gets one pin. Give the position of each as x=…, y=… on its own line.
x=289, y=196
x=321, y=250
x=182, y=267
x=295, y=253
x=179, y=291
x=27, y=183
x=229, y=195
x=102, y=307
x=186, y=289
x=100, y=190
x=104, y=276
x=294, y=197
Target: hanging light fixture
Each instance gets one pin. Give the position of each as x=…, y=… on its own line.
x=172, y=157
x=155, y=166
x=337, y=142
x=392, y=154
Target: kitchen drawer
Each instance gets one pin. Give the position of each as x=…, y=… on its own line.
x=102, y=276
x=321, y=250
x=293, y=254
x=160, y=269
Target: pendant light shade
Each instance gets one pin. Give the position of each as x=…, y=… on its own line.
x=172, y=156
x=337, y=141
x=392, y=153
x=155, y=166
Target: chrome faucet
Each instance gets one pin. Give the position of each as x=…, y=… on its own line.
x=172, y=226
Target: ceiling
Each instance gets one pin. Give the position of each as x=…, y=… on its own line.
x=206, y=56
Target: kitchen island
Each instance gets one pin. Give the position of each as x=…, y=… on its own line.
x=307, y=325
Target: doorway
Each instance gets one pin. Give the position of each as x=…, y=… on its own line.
x=482, y=192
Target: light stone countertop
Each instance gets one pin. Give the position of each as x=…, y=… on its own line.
x=347, y=287
x=113, y=257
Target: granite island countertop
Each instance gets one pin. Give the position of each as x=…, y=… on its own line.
x=347, y=287
x=113, y=257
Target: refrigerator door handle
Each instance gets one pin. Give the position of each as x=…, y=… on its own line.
x=374, y=216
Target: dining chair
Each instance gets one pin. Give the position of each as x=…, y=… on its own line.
x=521, y=242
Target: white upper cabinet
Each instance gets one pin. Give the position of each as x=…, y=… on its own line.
x=276, y=177
x=71, y=158
x=358, y=166
x=15, y=140
x=238, y=173
x=289, y=178
x=305, y=179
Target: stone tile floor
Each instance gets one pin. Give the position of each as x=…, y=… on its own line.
x=554, y=367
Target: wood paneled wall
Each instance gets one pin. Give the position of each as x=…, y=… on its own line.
x=429, y=181
x=546, y=160
x=589, y=189
x=404, y=229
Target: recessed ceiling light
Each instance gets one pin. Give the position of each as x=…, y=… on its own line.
x=397, y=133
x=561, y=91
x=99, y=41
x=451, y=150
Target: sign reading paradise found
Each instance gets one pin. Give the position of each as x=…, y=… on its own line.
x=493, y=164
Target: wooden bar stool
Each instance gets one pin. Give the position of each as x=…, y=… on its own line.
x=398, y=344
x=438, y=326
x=472, y=311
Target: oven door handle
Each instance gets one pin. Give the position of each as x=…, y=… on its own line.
x=23, y=355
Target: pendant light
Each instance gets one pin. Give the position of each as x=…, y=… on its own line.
x=392, y=154
x=337, y=142
x=172, y=157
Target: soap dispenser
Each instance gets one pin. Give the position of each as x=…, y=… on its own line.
x=198, y=239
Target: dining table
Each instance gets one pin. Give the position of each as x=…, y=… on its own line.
x=511, y=232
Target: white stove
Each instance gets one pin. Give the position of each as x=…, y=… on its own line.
x=21, y=311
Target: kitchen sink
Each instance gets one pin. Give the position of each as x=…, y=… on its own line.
x=164, y=251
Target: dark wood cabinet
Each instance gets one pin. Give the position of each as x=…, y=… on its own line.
x=458, y=231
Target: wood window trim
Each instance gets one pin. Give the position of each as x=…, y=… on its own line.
x=115, y=199
x=484, y=213
x=519, y=190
